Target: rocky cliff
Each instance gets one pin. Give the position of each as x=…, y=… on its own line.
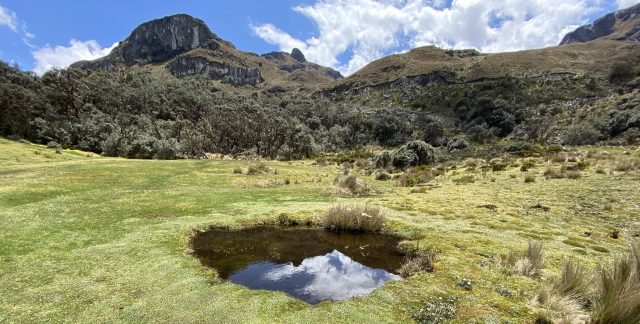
x=620, y=25
x=184, y=46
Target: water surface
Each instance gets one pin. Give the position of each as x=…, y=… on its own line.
x=308, y=264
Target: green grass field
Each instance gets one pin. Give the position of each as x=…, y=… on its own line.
x=91, y=239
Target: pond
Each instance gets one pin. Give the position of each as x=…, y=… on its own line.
x=309, y=264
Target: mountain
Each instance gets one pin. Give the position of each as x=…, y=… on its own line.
x=612, y=39
x=181, y=45
x=620, y=25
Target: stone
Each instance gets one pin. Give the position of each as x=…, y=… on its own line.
x=297, y=55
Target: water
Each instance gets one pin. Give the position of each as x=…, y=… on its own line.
x=308, y=264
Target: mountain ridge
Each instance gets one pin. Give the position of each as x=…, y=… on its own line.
x=181, y=45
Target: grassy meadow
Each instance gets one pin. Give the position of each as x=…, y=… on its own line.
x=85, y=238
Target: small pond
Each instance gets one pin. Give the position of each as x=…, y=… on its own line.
x=309, y=264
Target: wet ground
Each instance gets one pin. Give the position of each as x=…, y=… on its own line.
x=309, y=264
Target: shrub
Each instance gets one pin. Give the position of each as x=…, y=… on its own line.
x=621, y=71
x=456, y=144
x=237, y=170
x=418, y=261
x=383, y=160
x=353, y=219
x=404, y=158
x=581, y=135
x=414, y=153
x=435, y=312
x=529, y=178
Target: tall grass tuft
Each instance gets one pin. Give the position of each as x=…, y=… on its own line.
x=351, y=185
x=528, y=264
x=418, y=261
x=618, y=300
x=353, y=219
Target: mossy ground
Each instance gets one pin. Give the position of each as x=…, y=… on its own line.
x=91, y=239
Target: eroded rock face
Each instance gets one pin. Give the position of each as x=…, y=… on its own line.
x=297, y=55
x=620, y=25
x=238, y=75
x=162, y=39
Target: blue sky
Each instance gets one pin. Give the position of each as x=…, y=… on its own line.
x=345, y=34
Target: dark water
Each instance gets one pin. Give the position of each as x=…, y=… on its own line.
x=308, y=264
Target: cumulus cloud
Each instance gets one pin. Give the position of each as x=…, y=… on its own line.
x=60, y=56
x=8, y=18
x=622, y=4
x=369, y=29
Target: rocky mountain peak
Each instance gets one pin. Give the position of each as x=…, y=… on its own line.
x=164, y=38
x=621, y=25
x=298, y=56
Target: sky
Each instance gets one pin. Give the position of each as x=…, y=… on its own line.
x=344, y=34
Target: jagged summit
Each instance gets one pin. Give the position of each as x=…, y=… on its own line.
x=182, y=45
x=621, y=25
x=298, y=56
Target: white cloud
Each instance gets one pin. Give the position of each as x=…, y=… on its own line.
x=8, y=18
x=623, y=4
x=61, y=57
x=370, y=29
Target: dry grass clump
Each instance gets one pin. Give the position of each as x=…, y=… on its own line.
x=353, y=219
x=350, y=185
x=383, y=176
x=627, y=165
x=418, y=261
x=618, y=298
x=573, y=298
x=562, y=173
x=530, y=264
x=237, y=170
x=562, y=300
x=257, y=169
x=529, y=178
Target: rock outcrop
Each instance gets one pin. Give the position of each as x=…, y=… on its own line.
x=620, y=25
x=184, y=46
x=237, y=75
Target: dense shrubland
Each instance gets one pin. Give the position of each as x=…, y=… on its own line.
x=137, y=115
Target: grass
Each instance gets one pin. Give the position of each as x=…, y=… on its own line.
x=91, y=239
x=417, y=262
x=353, y=219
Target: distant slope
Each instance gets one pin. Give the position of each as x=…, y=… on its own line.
x=181, y=45
x=620, y=25
x=427, y=65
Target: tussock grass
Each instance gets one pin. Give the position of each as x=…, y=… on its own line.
x=418, y=261
x=618, y=299
x=350, y=185
x=257, y=169
x=530, y=264
x=353, y=219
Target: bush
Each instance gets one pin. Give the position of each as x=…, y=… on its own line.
x=237, y=170
x=383, y=160
x=457, y=144
x=404, y=158
x=353, y=219
x=581, y=135
x=465, y=179
x=418, y=261
x=414, y=153
x=621, y=71
x=529, y=178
